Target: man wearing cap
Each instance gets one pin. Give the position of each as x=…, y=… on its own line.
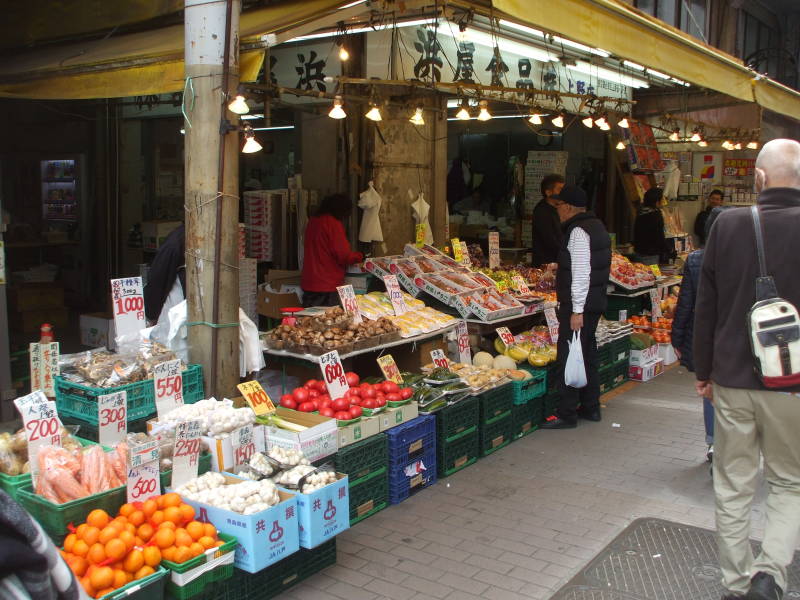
x=584, y=264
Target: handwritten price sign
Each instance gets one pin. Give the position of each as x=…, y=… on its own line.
x=462, y=338
x=349, y=302
x=519, y=284
x=168, y=382
x=504, y=334
x=655, y=300
x=458, y=254
x=389, y=369
x=44, y=367
x=41, y=423
x=420, y=234
x=494, y=249
x=112, y=418
x=333, y=374
x=465, y=259
x=144, y=480
x=257, y=398
x=395, y=295
x=185, y=458
x=439, y=359
x=244, y=445
x=552, y=324
x=128, y=303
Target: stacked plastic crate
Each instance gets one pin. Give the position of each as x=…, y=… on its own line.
x=412, y=457
x=496, y=421
x=365, y=464
x=457, y=437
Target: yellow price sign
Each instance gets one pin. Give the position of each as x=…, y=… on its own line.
x=457, y=254
x=420, y=233
x=389, y=369
x=257, y=398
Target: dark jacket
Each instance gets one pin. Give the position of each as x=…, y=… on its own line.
x=168, y=263
x=600, y=245
x=648, y=233
x=700, y=225
x=727, y=285
x=547, y=234
x=683, y=323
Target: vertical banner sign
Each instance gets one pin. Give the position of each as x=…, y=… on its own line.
x=112, y=418
x=504, y=334
x=128, y=303
x=257, y=398
x=458, y=255
x=395, y=295
x=552, y=324
x=439, y=359
x=244, y=445
x=168, y=382
x=44, y=367
x=333, y=374
x=466, y=260
x=37, y=370
x=144, y=480
x=389, y=369
x=349, y=302
x=462, y=339
x=420, y=234
x=186, y=456
x=656, y=302
x=518, y=283
x=41, y=423
x=494, y=249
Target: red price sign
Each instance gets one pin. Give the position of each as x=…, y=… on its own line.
x=112, y=418
x=42, y=425
x=333, y=374
x=128, y=303
x=256, y=397
x=519, y=284
x=123, y=306
x=349, y=302
x=187, y=451
x=439, y=359
x=504, y=334
x=552, y=324
x=144, y=480
x=168, y=383
x=462, y=337
x=244, y=445
x=389, y=369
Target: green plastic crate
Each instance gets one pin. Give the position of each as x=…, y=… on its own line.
x=523, y=391
x=55, y=518
x=11, y=484
x=604, y=355
x=496, y=433
x=454, y=419
x=364, y=457
x=523, y=420
x=80, y=401
x=495, y=402
x=203, y=466
x=88, y=431
x=621, y=349
x=369, y=495
x=200, y=587
x=458, y=452
x=146, y=588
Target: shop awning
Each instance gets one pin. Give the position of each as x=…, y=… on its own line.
x=139, y=64
x=628, y=33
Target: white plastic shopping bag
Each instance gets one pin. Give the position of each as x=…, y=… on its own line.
x=575, y=371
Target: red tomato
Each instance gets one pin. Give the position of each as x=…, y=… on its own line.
x=368, y=392
x=327, y=411
x=340, y=404
x=393, y=397
x=369, y=403
x=352, y=379
x=306, y=407
x=321, y=386
x=326, y=403
x=354, y=391
x=323, y=397
x=315, y=404
x=300, y=394
x=342, y=415
x=381, y=402
x=312, y=393
x=390, y=387
x=406, y=393
x=288, y=401
x=355, y=412
x=311, y=384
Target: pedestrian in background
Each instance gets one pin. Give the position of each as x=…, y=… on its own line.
x=649, y=240
x=700, y=229
x=547, y=232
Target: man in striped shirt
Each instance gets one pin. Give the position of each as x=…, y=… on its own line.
x=584, y=264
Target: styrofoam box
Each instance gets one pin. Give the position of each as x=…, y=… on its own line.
x=319, y=440
x=324, y=513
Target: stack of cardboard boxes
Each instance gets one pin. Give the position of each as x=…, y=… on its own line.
x=645, y=364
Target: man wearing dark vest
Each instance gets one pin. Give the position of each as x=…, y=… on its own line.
x=584, y=263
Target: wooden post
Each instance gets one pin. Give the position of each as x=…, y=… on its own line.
x=212, y=191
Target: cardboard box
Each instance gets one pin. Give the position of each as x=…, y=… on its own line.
x=155, y=232
x=643, y=357
x=646, y=372
x=318, y=441
x=324, y=513
x=97, y=330
x=393, y=417
x=366, y=427
x=263, y=538
x=222, y=449
x=270, y=304
x=35, y=296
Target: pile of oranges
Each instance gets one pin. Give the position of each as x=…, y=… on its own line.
x=106, y=554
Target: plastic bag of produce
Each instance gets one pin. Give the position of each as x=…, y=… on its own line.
x=575, y=371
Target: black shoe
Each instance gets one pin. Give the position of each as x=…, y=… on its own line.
x=710, y=454
x=763, y=587
x=590, y=414
x=559, y=423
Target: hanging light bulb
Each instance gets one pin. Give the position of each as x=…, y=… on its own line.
x=624, y=123
x=417, y=118
x=702, y=143
x=727, y=145
x=239, y=105
x=343, y=54
x=374, y=113
x=250, y=143
x=588, y=122
x=695, y=136
x=337, y=112
x=559, y=120
x=602, y=123
x=737, y=146
x=484, y=114
x=620, y=145
x=752, y=145
x=536, y=119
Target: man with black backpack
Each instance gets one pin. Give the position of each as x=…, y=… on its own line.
x=755, y=416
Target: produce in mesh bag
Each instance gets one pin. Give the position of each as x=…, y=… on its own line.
x=14, y=450
x=66, y=475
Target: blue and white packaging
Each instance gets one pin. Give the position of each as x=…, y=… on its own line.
x=324, y=513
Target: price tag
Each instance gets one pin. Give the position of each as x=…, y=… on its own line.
x=257, y=398
x=187, y=452
x=144, y=480
x=44, y=367
x=42, y=425
x=462, y=338
x=244, y=445
x=656, y=304
x=439, y=359
x=395, y=295
x=502, y=286
x=112, y=418
x=519, y=284
x=333, y=374
x=168, y=383
x=623, y=315
x=349, y=302
x=389, y=368
x=504, y=334
x=457, y=251
x=466, y=260
x=128, y=304
x=552, y=324
x=420, y=234
x=656, y=270
x=494, y=249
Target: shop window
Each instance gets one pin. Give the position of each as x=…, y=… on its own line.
x=667, y=11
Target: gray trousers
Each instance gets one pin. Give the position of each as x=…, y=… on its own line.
x=750, y=424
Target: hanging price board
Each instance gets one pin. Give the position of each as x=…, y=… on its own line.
x=420, y=234
x=465, y=259
x=44, y=367
x=257, y=398
x=349, y=302
x=333, y=374
x=128, y=304
x=504, y=334
x=502, y=286
x=389, y=369
x=112, y=418
x=168, y=382
x=187, y=452
x=439, y=359
x=144, y=480
x=244, y=445
x=519, y=284
x=656, y=304
x=552, y=324
x=395, y=295
x=41, y=423
x=462, y=339
x=494, y=249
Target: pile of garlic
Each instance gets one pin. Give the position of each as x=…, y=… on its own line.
x=246, y=498
x=318, y=480
x=290, y=457
x=217, y=417
x=293, y=476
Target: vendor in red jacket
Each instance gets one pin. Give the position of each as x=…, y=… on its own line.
x=327, y=252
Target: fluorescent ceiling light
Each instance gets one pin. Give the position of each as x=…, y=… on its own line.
x=633, y=65
x=456, y=102
x=636, y=66
x=276, y=128
x=556, y=39
x=496, y=117
x=352, y=4
x=607, y=74
x=505, y=44
x=327, y=34
x=251, y=117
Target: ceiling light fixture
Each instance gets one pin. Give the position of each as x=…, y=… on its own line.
x=343, y=54
x=239, y=105
x=695, y=136
x=675, y=135
x=374, y=113
x=608, y=74
x=417, y=118
x=727, y=145
x=624, y=123
x=463, y=112
x=337, y=112
x=250, y=143
x=737, y=146
x=558, y=121
x=752, y=145
x=588, y=121
x=484, y=114
x=620, y=145
x=602, y=123
x=702, y=144
x=536, y=118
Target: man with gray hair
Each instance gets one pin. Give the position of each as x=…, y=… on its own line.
x=752, y=422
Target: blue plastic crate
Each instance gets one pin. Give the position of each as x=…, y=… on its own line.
x=401, y=486
x=412, y=439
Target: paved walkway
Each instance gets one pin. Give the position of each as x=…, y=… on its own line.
x=520, y=523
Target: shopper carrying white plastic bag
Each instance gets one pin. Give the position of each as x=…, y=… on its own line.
x=575, y=371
